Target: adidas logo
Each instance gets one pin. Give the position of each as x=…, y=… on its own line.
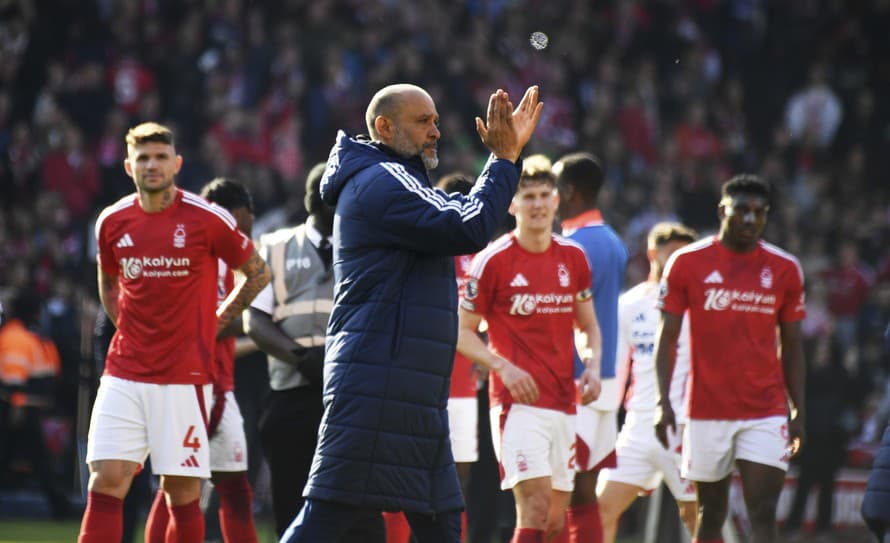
x=715, y=277
x=125, y=241
x=190, y=462
x=519, y=281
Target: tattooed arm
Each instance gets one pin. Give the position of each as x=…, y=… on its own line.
x=257, y=276
x=108, y=291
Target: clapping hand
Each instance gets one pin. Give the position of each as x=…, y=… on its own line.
x=506, y=131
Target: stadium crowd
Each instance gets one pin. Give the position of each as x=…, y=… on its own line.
x=674, y=97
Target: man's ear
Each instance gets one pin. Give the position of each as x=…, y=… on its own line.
x=384, y=127
x=512, y=209
x=127, y=167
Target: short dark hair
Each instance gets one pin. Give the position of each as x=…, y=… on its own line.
x=583, y=171
x=146, y=132
x=665, y=232
x=457, y=182
x=227, y=193
x=312, y=200
x=746, y=183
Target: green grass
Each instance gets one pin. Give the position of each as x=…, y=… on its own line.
x=17, y=531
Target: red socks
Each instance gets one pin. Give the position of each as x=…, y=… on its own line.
x=527, y=535
x=236, y=510
x=186, y=523
x=397, y=528
x=156, y=523
x=102, y=520
x=584, y=519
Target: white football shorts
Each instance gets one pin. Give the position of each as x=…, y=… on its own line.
x=644, y=462
x=131, y=420
x=711, y=447
x=463, y=421
x=596, y=434
x=228, y=446
x=532, y=442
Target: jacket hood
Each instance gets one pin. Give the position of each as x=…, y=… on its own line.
x=349, y=156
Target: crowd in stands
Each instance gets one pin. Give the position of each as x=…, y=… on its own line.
x=674, y=96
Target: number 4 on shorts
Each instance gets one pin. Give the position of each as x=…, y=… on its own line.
x=190, y=440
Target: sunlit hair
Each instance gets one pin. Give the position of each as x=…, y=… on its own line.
x=537, y=169
x=149, y=132
x=665, y=232
x=584, y=172
x=745, y=183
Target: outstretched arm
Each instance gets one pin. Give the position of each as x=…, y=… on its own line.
x=257, y=276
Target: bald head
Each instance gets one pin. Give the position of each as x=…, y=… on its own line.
x=388, y=102
x=404, y=118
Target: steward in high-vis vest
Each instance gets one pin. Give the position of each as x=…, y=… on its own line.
x=288, y=320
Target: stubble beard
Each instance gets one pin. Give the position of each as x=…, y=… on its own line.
x=407, y=150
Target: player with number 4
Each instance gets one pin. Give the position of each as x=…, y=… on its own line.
x=157, y=268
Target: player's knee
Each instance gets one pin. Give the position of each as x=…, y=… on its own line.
x=112, y=478
x=533, y=512
x=555, y=525
x=181, y=490
x=763, y=511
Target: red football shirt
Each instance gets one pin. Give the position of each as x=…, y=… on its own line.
x=225, y=348
x=166, y=267
x=528, y=300
x=463, y=380
x=735, y=303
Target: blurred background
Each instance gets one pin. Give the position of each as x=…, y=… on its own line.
x=674, y=96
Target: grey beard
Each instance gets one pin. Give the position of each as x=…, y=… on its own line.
x=429, y=162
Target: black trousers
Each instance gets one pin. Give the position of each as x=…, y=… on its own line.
x=289, y=433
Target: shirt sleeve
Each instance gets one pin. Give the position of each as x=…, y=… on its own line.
x=409, y=213
x=794, y=299
x=479, y=289
x=104, y=252
x=672, y=294
x=229, y=243
x=585, y=276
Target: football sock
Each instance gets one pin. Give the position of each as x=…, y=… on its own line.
x=236, y=510
x=584, y=520
x=156, y=523
x=397, y=528
x=103, y=519
x=186, y=523
x=527, y=535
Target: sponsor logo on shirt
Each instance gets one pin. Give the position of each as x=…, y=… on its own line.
x=563, y=273
x=125, y=241
x=529, y=304
x=766, y=277
x=154, y=266
x=519, y=281
x=472, y=289
x=746, y=301
x=714, y=277
x=179, y=236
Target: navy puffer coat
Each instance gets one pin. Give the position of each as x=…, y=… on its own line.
x=876, y=503
x=391, y=337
